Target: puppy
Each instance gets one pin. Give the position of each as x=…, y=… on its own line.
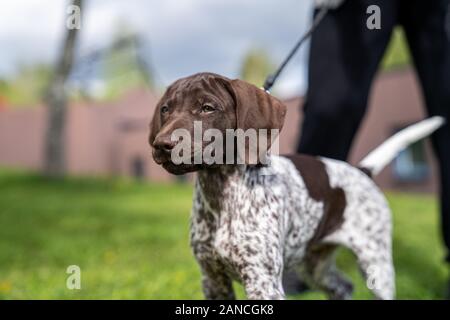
x=253, y=220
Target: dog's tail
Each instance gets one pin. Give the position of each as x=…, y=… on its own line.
x=376, y=160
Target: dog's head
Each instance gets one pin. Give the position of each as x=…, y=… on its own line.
x=217, y=103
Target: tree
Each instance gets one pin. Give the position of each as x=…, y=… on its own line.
x=27, y=87
x=397, y=54
x=123, y=67
x=256, y=66
x=57, y=100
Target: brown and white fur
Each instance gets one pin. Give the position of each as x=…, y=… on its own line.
x=251, y=223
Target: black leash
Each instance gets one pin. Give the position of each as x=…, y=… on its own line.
x=270, y=80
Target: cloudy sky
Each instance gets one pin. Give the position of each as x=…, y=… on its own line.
x=185, y=36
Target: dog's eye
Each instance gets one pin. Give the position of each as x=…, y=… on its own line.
x=164, y=109
x=208, y=108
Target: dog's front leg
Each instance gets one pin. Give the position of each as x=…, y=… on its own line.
x=216, y=285
x=262, y=281
x=264, y=287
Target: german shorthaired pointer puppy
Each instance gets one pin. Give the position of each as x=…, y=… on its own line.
x=252, y=227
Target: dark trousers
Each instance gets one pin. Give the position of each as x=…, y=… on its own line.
x=344, y=57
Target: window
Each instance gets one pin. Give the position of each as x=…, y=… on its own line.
x=411, y=164
x=137, y=168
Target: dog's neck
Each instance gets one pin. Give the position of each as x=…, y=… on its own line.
x=216, y=183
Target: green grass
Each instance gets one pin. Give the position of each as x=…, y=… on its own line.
x=131, y=241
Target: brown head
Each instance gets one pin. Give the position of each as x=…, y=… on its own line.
x=218, y=103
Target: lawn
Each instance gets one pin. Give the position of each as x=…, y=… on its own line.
x=130, y=240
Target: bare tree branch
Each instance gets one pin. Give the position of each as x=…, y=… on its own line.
x=57, y=104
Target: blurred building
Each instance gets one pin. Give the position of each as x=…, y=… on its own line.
x=111, y=138
x=101, y=138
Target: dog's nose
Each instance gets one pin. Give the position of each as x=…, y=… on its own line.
x=164, y=144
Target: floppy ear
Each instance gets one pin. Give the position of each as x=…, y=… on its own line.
x=155, y=125
x=257, y=109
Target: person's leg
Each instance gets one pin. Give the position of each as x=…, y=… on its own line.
x=427, y=26
x=344, y=57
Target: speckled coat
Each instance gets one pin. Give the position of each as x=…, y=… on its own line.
x=252, y=223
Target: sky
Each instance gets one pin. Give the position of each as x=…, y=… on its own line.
x=183, y=36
